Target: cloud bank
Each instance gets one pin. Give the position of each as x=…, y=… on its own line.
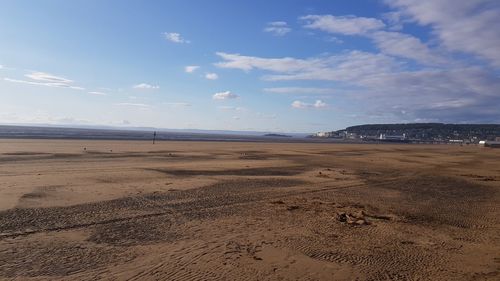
x=451, y=77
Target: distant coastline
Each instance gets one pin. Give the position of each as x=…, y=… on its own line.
x=34, y=132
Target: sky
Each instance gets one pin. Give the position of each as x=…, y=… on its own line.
x=282, y=66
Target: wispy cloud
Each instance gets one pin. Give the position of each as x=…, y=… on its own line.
x=277, y=28
x=303, y=105
x=343, y=67
x=335, y=40
x=389, y=42
x=211, y=76
x=191, y=68
x=406, y=46
x=298, y=90
x=285, y=64
x=348, y=25
x=40, y=117
x=261, y=115
x=98, y=93
x=175, y=37
x=394, y=19
x=177, y=104
x=224, y=96
x=231, y=108
x=46, y=79
x=447, y=104
x=145, y=86
x=140, y=105
x=473, y=33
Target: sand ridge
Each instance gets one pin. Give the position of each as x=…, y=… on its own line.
x=130, y=210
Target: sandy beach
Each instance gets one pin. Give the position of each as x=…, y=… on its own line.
x=130, y=210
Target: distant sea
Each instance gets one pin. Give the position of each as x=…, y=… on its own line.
x=29, y=132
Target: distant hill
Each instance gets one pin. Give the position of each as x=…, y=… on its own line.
x=277, y=136
x=425, y=131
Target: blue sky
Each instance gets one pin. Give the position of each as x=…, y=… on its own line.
x=290, y=66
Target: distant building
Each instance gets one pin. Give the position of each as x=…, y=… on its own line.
x=321, y=134
x=325, y=135
x=351, y=135
x=392, y=137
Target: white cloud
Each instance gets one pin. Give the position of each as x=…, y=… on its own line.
x=318, y=104
x=175, y=37
x=348, y=25
x=277, y=28
x=286, y=64
x=191, y=68
x=224, y=96
x=211, y=76
x=299, y=104
x=465, y=26
x=146, y=86
x=298, y=90
x=98, y=93
x=46, y=79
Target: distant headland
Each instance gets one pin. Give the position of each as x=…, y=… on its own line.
x=277, y=136
x=417, y=132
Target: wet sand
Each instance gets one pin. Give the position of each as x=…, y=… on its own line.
x=130, y=210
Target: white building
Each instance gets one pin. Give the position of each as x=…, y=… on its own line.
x=392, y=137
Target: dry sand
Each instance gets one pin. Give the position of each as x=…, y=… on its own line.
x=123, y=210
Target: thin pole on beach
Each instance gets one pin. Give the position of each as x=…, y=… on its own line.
x=154, y=137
